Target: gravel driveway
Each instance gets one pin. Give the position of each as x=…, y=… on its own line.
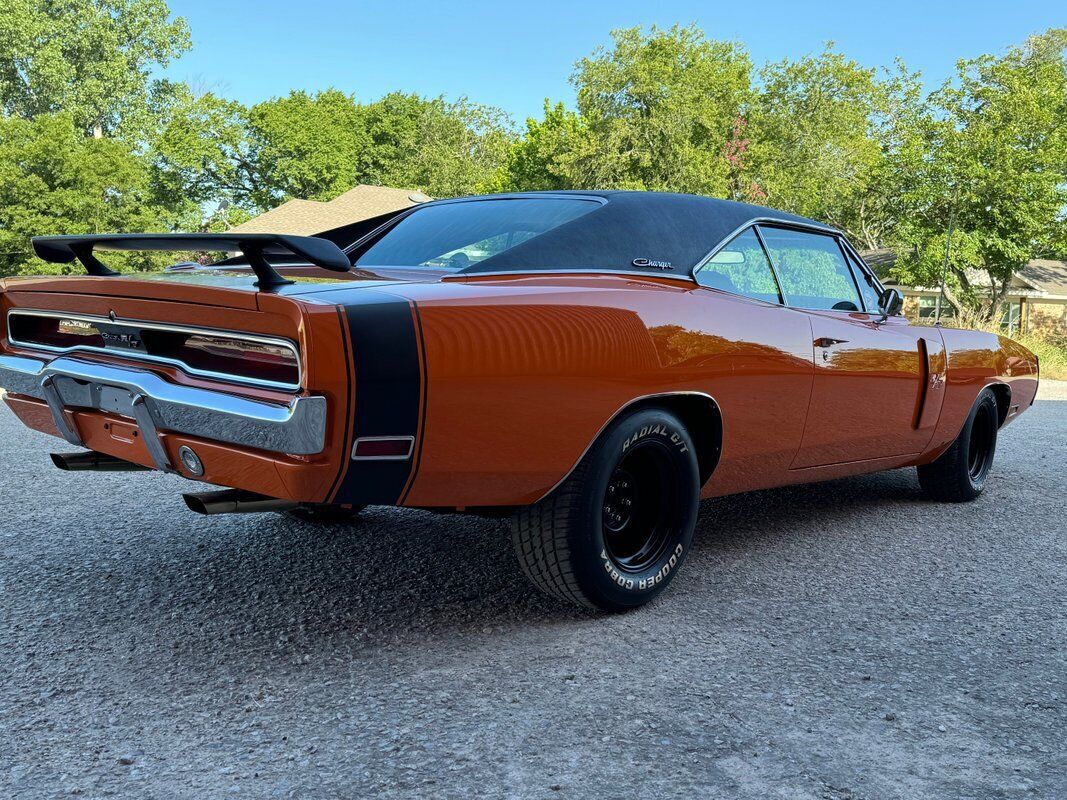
x=843, y=640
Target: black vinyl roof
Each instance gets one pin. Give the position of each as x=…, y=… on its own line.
x=675, y=229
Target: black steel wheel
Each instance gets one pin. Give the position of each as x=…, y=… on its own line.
x=615, y=532
x=981, y=442
x=960, y=473
x=641, y=506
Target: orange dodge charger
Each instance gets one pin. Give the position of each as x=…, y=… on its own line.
x=592, y=363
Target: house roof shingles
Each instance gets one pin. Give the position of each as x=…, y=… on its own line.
x=1047, y=275
x=1042, y=275
x=306, y=217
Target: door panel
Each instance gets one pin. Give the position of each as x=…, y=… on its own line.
x=875, y=392
x=755, y=359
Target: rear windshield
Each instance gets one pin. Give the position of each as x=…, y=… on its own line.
x=456, y=235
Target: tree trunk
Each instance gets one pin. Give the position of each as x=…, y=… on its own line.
x=954, y=301
x=996, y=297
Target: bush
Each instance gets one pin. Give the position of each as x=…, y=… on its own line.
x=1051, y=352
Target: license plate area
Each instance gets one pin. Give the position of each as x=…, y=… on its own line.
x=114, y=399
x=63, y=392
x=73, y=393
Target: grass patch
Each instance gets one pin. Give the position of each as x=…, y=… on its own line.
x=1051, y=354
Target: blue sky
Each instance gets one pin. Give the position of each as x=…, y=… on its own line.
x=513, y=55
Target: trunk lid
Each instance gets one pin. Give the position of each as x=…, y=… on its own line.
x=230, y=287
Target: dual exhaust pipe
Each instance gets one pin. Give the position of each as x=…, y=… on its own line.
x=235, y=501
x=94, y=462
x=226, y=501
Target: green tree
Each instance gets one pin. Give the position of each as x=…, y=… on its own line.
x=443, y=148
x=54, y=179
x=305, y=146
x=989, y=153
x=819, y=130
x=317, y=146
x=91, y=59
x=546, y=156
x=202, y=152
x=656, y=111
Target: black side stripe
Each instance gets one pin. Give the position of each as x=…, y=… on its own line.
x=345, y=349
x=386, y=360
x=423, y=401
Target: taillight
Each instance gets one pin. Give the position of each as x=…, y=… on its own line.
x=53, y=331
x=221, y=355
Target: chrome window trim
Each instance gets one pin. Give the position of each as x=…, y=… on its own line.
x=770, y=264
x=852, y=272
x=648, y=273
x=864, y=266
x=752, y=223
x=173, y=362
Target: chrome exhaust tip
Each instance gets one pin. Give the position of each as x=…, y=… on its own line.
x=235, y=501
x=91, y=461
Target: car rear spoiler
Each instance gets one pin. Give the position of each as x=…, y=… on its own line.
x=320, y=252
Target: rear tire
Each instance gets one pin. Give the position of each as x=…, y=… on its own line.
x=616, y=531
x=959, y=474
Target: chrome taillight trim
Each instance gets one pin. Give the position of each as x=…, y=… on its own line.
x=224, y=377
x=67, y=383
x=409, y=440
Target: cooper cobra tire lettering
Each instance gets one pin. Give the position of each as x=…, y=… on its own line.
x=625, y=583
x=577, y=546
x=665, y=570
x=647, y=583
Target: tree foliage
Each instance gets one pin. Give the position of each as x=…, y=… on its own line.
x=819, y=129
x=990, y=153
x=54, y=179
x=316, y=146
x=443, y=148
x=654, y=112
x=546, y=156
x=90, y=59
x=202, y=152
x=91, y=142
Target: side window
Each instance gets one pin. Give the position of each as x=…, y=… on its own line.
x=741, y=267
x=868, y=288
x=811, y=269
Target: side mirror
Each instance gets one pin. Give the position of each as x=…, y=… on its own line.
x=891, y=302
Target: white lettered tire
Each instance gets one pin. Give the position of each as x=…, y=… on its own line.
x=614, y=534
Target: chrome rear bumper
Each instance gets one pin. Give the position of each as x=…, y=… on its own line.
x=66, y=383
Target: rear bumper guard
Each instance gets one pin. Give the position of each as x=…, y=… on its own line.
x=67, y=383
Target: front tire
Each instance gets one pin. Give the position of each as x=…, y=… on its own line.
x=616, y=531
x=959, y=474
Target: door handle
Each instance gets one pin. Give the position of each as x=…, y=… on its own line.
x=826, y=341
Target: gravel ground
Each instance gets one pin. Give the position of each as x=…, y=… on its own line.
x=844, y=640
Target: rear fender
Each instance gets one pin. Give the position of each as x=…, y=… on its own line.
x=977, y=360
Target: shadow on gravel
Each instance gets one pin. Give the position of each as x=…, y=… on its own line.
x=838, y=504
x=255, y=583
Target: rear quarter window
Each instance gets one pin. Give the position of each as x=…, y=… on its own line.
x=456, y=235
x=741, y=267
